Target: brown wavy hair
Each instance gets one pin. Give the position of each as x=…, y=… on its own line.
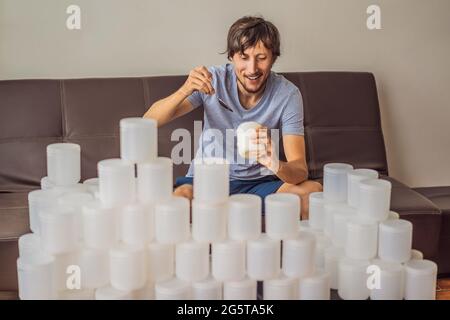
x=247, y=31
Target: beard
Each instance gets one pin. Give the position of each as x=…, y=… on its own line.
x=257, y=90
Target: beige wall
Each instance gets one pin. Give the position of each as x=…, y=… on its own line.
x=409, y=56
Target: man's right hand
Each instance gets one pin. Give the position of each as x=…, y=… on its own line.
x=199, y=79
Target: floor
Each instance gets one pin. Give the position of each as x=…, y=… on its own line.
x=443, y=289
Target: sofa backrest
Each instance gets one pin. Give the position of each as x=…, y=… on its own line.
x=342, y=121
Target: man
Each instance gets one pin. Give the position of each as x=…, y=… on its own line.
x=247, y=90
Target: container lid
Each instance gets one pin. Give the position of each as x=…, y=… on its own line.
x=33, y=261
x=63, y=147
x=339, y=207
x=56, y=212
x=264, y=241
x=318, y=276
x=244, y=283
x=92, y=181
x=175, y=203
x=244, y=200
x=207, y=284
x=172, y=286
x=388, y=266
x=351, y=264
x=136, y=122
x=228, y=245
x=114, y=165
x=396, y=226
x=159, y=162
x=363, y=173
x=375, y=184
x=281, y=281
x=337, y=168
x=421, y=267
x=303, y=239
x=75, y=199
x=284, y=199
x=316, y=197
x=123, y=250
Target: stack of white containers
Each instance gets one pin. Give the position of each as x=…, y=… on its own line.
x=128, y=237
x=370, y=252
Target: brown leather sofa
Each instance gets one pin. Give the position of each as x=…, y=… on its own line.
x=342, y=123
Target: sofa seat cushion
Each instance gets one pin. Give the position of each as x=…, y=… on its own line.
x=440, y=196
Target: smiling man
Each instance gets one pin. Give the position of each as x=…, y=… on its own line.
x=247, y=90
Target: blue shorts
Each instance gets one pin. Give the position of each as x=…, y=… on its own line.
x=261, y=187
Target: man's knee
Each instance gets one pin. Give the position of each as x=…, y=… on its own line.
x=303, y=189
x=185, y=190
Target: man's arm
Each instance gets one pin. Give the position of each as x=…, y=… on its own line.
x=178, y=104
x=295, y=170
x=167, y=109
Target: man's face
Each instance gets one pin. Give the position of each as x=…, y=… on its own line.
x=253, y=67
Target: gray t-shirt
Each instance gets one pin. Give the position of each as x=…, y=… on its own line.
x=280, y=107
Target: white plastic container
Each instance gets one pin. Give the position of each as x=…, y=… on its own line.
x=138, y=139
x=209, y=221
x=208, y=289
x=160, y=262
x=244, y=133
x=395, y=240
x=127, y=267
x=192, y=261
x=322, y=243
x=99, y=226
x=137, y=221
x=58, y=230
x=332, y=256
x=316, y=211
x=244, y=289
x=172, y=220
x=110, y=293
x=29, y=245
x=155, y=180
x=117, y=185
x=211, y=172
x=65, y=266
x=374, y=199
x=46, y=184
x=416, y=255
x=392, y=281
x=393, y=215
x=340, y=220
x=282, y=211
x=420, y=280
x=173, y=289
x=244, y=217
x=352, y=279
x=331, y=210
x=40, y=200
x=94, y=266
x=228, y=260
x=354, y=178
x=63, y=163
x=362, y=239
x=76, y=200
x=303, y=226
x=280, y=288
x=298, y=258
x=263, y=258
x=315, y=286
x=335, y=181
x=35, y=278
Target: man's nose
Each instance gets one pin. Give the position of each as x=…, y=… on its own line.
x=252, y=67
